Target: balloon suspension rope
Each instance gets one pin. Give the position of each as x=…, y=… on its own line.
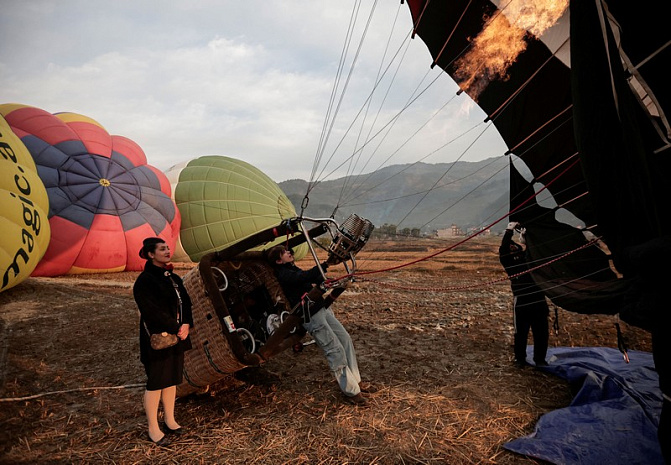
x=466, y=239
x=494, y=281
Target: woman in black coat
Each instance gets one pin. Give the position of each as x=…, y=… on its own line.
x=164, y=306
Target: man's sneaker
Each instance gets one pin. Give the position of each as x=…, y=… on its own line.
x=541, y=363
x=356, y=400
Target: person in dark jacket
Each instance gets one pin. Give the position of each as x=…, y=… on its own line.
x=164, y=306
x=530, y=309
x=328, y=333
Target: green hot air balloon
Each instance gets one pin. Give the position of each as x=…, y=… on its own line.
x=223, y=200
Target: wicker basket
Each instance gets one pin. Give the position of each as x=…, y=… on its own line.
x=218, y=349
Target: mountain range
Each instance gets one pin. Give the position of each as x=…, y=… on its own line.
x=418, y=195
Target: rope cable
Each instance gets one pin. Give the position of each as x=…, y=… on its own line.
x=356, y=192
x=336, y=84
x=439, y=252
x=345, y=86
x=347, y=178
x=445, y=174
x=50, y=393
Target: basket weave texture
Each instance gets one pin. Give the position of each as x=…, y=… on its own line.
x=211, y=357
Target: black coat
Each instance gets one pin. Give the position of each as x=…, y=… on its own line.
x=523, y=286
x=159, y=306
x=295, y=282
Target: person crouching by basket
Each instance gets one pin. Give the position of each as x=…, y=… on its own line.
x=328, y=333
x=165, y=319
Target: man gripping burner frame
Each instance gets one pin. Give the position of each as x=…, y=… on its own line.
x=328, y=333
x=530, y=309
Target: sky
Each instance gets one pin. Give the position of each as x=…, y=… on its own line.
x=253, y=80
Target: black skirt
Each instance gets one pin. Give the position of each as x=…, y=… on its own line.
x=164, y=367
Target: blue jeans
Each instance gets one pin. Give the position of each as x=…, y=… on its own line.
x=336, y=343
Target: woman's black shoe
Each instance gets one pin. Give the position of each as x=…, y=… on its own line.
x=164, y=441
x=173, y=432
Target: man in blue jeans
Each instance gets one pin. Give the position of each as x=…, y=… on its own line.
x=327, y=331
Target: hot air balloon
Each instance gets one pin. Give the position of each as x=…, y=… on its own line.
x=25, y=205
x=103, y=197
x=221, y=201
x=588, y=118
x=578, y=91
x=232, y=213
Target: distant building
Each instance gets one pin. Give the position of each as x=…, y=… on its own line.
x=452, y=231
x=456, y=231
x=485, y=231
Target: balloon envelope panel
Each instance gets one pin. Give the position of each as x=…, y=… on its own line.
x=24, y=204
x=103, y=197
x=223, y=200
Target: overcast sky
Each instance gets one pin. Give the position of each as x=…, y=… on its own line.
x=247, y=79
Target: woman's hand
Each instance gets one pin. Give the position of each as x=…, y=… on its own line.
x=183, y=332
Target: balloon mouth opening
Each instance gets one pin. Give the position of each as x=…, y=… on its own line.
x=104, y=182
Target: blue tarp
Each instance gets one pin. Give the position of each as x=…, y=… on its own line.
x=612, y=419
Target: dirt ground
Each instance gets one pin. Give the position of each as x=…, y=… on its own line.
x=435, y=340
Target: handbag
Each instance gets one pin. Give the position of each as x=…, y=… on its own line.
x=162, y=340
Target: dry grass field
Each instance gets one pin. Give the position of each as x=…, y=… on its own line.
x=435, y=338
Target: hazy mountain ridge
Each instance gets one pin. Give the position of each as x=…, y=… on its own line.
x=470, y=194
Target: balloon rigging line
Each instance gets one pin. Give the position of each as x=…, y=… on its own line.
x=336, y=84
x=493, y=115
x=379, y=110
x=445, y=174
x=466, y=239
x=464, y=196
x=470, y=44
x=391, y=121
x=377, y=83
x=452, y=181
x=349, y=77
x=395, y=117
x=345, y=86
x=376, y=134
x=394, y=120
x=356, y=192
x=389, y=128
x=415, y=26
x=409, y=101
x=449, y=37
x=514, y=95
x=495, y=281
x=512, y=149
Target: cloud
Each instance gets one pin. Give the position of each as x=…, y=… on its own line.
x=251, y=80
